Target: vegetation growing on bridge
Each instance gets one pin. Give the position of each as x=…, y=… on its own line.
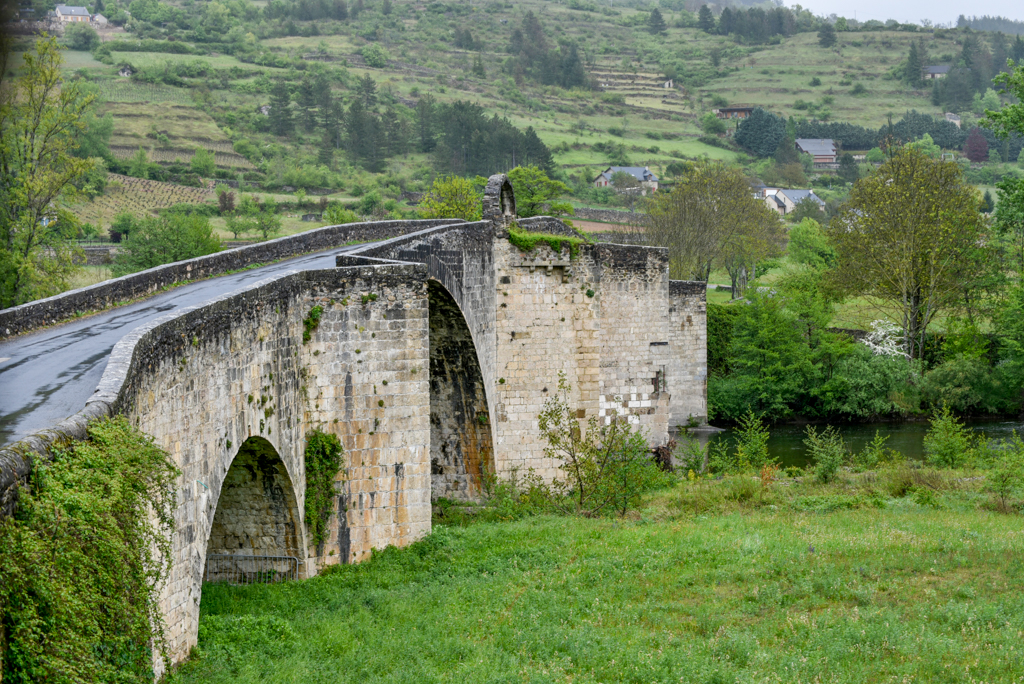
x=323, y=463
x=527, y=241
x=82, y=559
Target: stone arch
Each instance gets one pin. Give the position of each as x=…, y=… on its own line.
x=257, y=512
x=499, y=199
x=461, y=446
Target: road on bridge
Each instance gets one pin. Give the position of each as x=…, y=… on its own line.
x=48, y=375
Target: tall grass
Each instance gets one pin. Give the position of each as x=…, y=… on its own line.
x=857, y=580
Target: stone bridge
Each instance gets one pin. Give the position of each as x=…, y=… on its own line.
x=431, y=358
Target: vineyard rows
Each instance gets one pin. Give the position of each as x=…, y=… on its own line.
x=130, y=91
x=137, y=196
x=184, y=156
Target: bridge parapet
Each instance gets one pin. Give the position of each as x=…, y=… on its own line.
x=42, y=312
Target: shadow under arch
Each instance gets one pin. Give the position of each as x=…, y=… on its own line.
x=256, y=513
x=461, y=446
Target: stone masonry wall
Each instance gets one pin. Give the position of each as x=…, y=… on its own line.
x=688, y=373
x=203, y=382
x=592, y=317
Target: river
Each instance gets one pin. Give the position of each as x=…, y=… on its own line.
x=787, y=441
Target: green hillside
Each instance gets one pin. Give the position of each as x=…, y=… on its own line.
x=607, y=89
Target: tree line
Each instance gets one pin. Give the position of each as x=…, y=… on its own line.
x=762, y=132
x=460, y=135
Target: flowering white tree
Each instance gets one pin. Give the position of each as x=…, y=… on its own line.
x=886, y=339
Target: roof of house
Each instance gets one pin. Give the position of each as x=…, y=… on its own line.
x=937, y=69
x=99, y=17
x=775, y=198
x=641, y=173
x=816, y=146
x=797, y=196
x=735, y=109
x=72, y=11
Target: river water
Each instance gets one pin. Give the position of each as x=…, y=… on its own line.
x=787, y=441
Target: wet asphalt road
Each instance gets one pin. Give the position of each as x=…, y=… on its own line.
x=47, y=376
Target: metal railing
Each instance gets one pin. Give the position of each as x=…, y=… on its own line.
x=244, y=569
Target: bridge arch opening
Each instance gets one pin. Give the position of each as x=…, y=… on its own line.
x=461, y=448
x=257, y=515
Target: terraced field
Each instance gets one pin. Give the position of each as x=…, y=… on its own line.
x=137, y=196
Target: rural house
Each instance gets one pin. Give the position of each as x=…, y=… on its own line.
x=784, y=201
x=929, y=73
x=69, y=13
x=823, y=150
x=733, y=112
x=643, y=175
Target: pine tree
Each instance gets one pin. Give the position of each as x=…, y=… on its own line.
x=366, y=91
x=385, y=7
x=706, y=19
x=761, y=132
x=478, y=67
x=306, y=98
x=826, y=35
x=656, y=23
x=848, y=170
x=988, y=205
x=425, y=123
x=1017, y=51
x=340, y=10
x=281, y=122
x=912, y=71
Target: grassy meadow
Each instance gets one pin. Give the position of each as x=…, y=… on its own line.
x=904, y=575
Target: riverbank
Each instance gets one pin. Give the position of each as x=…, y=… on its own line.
x=902, y=575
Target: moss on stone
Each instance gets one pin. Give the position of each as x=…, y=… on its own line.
x=527, y=241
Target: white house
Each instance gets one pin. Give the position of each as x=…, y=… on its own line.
x=643, y=175
x=930, y=73
x=784, y=201
x=70, y=13
x=100, y=20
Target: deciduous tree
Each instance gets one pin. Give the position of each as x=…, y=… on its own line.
x=536, y=193
x=909, y=236
x=453, y=197
x=976, y=147
x=41, y=118
x=1010, y=118
x=709, y=208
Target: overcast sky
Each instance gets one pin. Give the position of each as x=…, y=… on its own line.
x=939, y=11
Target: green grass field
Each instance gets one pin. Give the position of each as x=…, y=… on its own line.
x=712, y=582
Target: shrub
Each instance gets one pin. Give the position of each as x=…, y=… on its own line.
x=948, y=443
x=606, y=467
x=752, y=443
x=83, y=558
x=337, y=215
x=165, y=239
x=203, y=162
x=827, y=451
x=375, y=55
x=80, y=36
x=1007, y=473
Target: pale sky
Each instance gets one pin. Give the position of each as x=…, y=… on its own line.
x=939, y=11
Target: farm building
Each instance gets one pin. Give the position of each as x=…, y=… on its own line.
x=822, y=149
x=643, y=175
x=784, y=200
x=930, y=73
x=733, y=112
x=71, y=13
